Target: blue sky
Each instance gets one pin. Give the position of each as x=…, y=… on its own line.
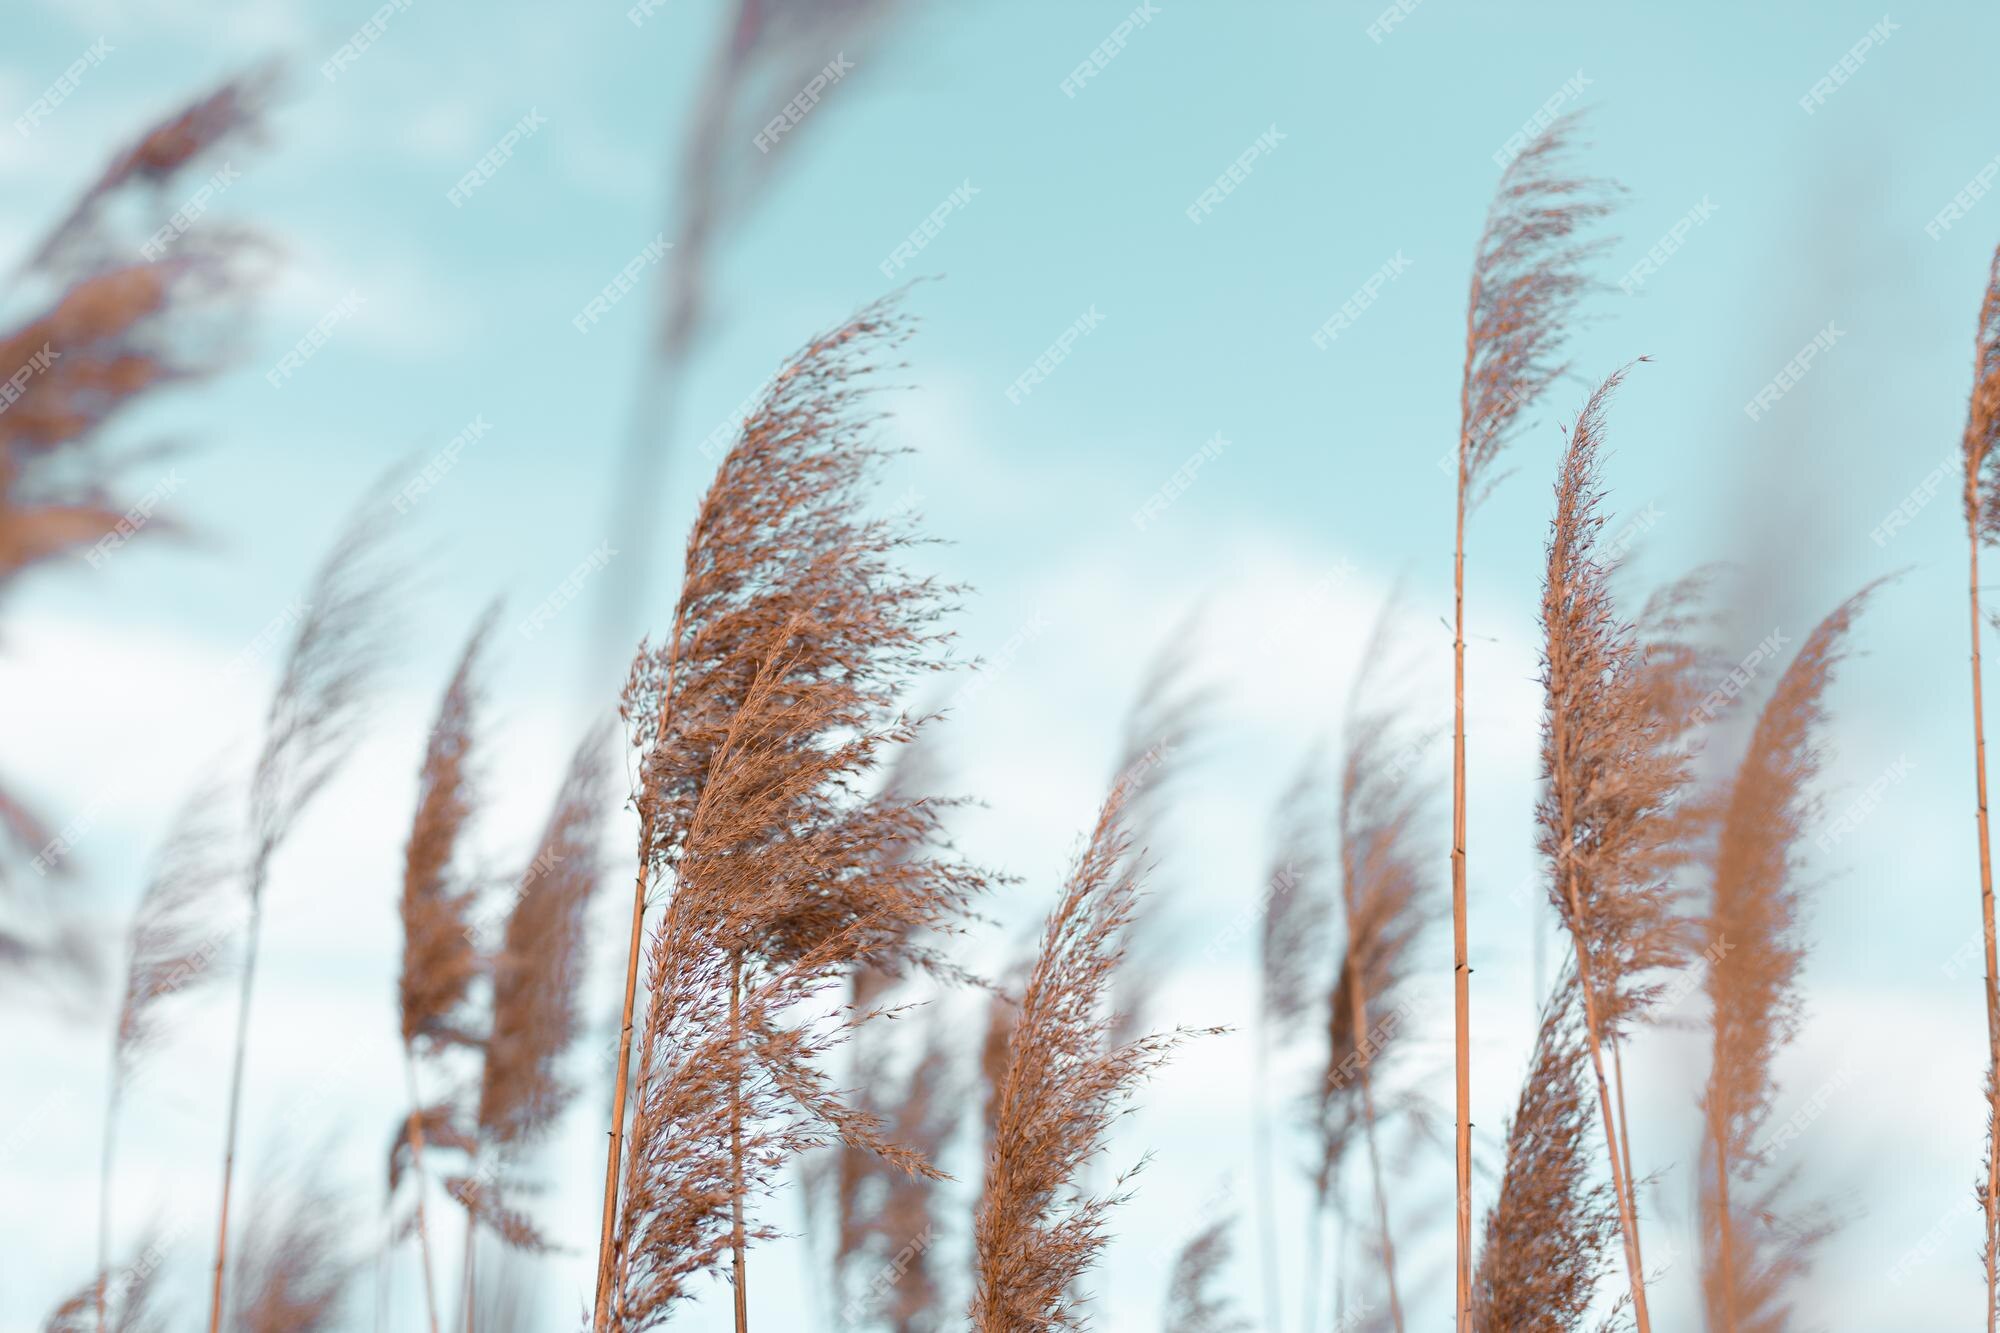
x=1326, y=495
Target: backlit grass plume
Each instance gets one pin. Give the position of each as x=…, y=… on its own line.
x=339, y=646
x=294, y=1271
x=886, y=1220
x=886, y=1265
x=536, y=974
x=1982, y=520
x=440, y=958
x=1528, y=279
x=756, y=529
x=1754, y=948
x=765, y=52
x=1167, y=723
x=1198, y=1297
x=1291, y=952
x=758, y=722
x=177, y=935
x=114, y=323
x=125, y=1301
x=1384, y=911
x=1612, y=824
x=1034, y=1235
x=1548, y=1234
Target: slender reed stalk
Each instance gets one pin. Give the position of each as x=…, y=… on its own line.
x=1527, y=281
x=780, y=502
x=1625, y=1141
x=1260, y=1165
x=1982, y=463
x=1613, y=827
x=1170, y=719
x=1034, y=1237
x=314, y=721
x=413, y=1138
x=796, y=633
x=736, y=1182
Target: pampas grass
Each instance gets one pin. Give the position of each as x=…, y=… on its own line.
x=892, y=1220
x=110, y=335
x=1754, y=950
x=1291, y=943
x=1194, y=1303
x=1066, y=1082
x=886, y=1221
x=1385, y=912
x=336, y=654
x=294, y=1271
x=770, y=702
x=439, y=957
x=757, y=522
x=1548, y=1233
x=1612, y=823
x=764, y=46
x=1528, y=279
x=171, y=947
x=1171, y=718
x=536, y=975
x=127, y=1303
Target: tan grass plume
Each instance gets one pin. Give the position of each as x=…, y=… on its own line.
x=758, y=722
x=1754, y=946
x=1528, y=281
x=1066, y=1083
x=339, y=647
x=1613, y=824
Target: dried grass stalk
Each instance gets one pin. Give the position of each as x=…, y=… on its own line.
x=536, y=1010
x=799, y=457
x=541, y=964
x=1982, y=470
x=767, y=50
x=113, y=333
x=172, y=946
x=1528, y=280
x=440, y=960
x=1168, y=723
x=1066, y=1083
x=124, y=1302
x=886, y=1220
x=294, y=1272
x=884, y=1265
x=759, y=721
x=1613, y=827
x=1382, y=899
x=1291, y=948
x=1755, y=950
x=1548, y=1232
x=336, y=654
x=1194, y=1303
